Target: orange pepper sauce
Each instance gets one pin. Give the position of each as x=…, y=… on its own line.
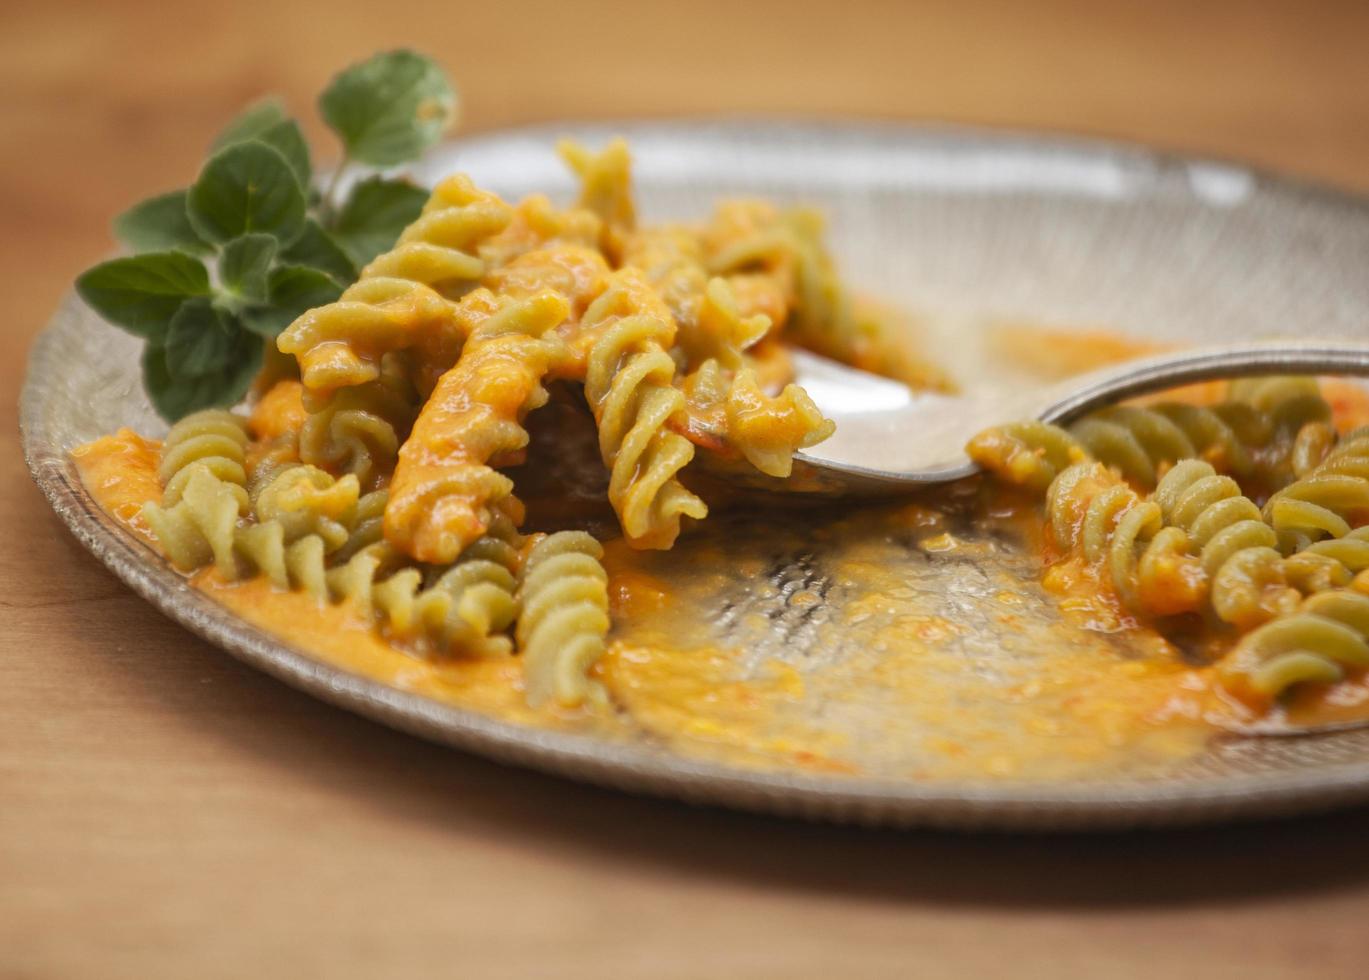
x=913, y=640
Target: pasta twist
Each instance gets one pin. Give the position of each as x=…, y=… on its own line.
x=629, y=384
x=1279, y=431
x=201, y=526
x=711, y=324
x=1028, y=454
x=212, y=439
x=537, y=224
x=1095, y=515
x=1197, y=538
x=768, y=430
x=1331, y=499
x=1317, y=644
x=465, y=608
x=358, y=430
x=1289, y=402
x=440, y=249
x=564, y=619
x=342, y=344
x=305, y=501
x=1237, y=550
x=1139, y=441
x=444, y=487
x=713, y=337
x=605, y=189
x=303, y=514
x=787, y=246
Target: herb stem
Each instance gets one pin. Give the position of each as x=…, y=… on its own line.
x=328, y=207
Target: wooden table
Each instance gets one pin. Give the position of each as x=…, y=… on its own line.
x=167, y=812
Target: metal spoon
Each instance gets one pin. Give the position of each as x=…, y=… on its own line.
x=890, y=439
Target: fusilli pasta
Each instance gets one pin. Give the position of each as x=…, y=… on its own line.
x=441, y=248
x=564, y=618
x=1331, y=499
x=1316, y=644
x=444, y=486
x=630, y=387
x=359, y=429
x=464, y=608
x=605, y=189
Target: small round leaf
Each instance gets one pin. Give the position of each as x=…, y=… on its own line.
x=245, y=188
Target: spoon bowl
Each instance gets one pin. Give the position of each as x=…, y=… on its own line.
x=890, y=439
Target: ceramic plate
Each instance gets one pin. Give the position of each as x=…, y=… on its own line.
x=963, y=227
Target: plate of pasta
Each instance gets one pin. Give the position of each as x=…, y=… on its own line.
x=488, y=489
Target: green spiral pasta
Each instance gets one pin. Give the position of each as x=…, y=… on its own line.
x=564, y=618
x=1028, y=454
x=1317, y=644
x=1093, y=514
x=711, y=326
x=308, y=520
x=630, y=387
x=359, y=430
x=1288, y=401
x=1237, y=550
x=341, y=345
x=201, y=526
x=213, y=439
x=368, y=524
x=1330, y=500
x=304, y=500
x=790, y=242
x=1137, y=441
x=445, y=485
x=1197, y=539
x=1275, y=432
x=440, y=249
x=206, y=450
x=769, y=429
x=605, y=188
x=464, y=608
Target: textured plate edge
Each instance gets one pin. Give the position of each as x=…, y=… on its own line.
x=964, y=806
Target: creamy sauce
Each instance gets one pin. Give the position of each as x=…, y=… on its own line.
x=927, y=640
x=799, y=641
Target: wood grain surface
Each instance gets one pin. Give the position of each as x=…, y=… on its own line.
x=165, y=812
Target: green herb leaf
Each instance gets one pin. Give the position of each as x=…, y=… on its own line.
x=389, y=108
x=317, y=248
x=266, y=120
x=247, y=187
x=244, y=263
x=159, y=224
x=375, y=213
x=287, y=138
x=176, y=396
x=294, y=289
x=200, y=339
x=256, y=119
x=140, y=293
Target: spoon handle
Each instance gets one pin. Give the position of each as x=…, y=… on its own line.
x=1080, y=395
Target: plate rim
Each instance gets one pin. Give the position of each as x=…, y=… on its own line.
x=977, y=805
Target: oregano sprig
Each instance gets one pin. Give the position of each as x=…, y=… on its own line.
x=221, y=267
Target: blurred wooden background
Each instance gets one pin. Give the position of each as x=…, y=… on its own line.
x=165, y=812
